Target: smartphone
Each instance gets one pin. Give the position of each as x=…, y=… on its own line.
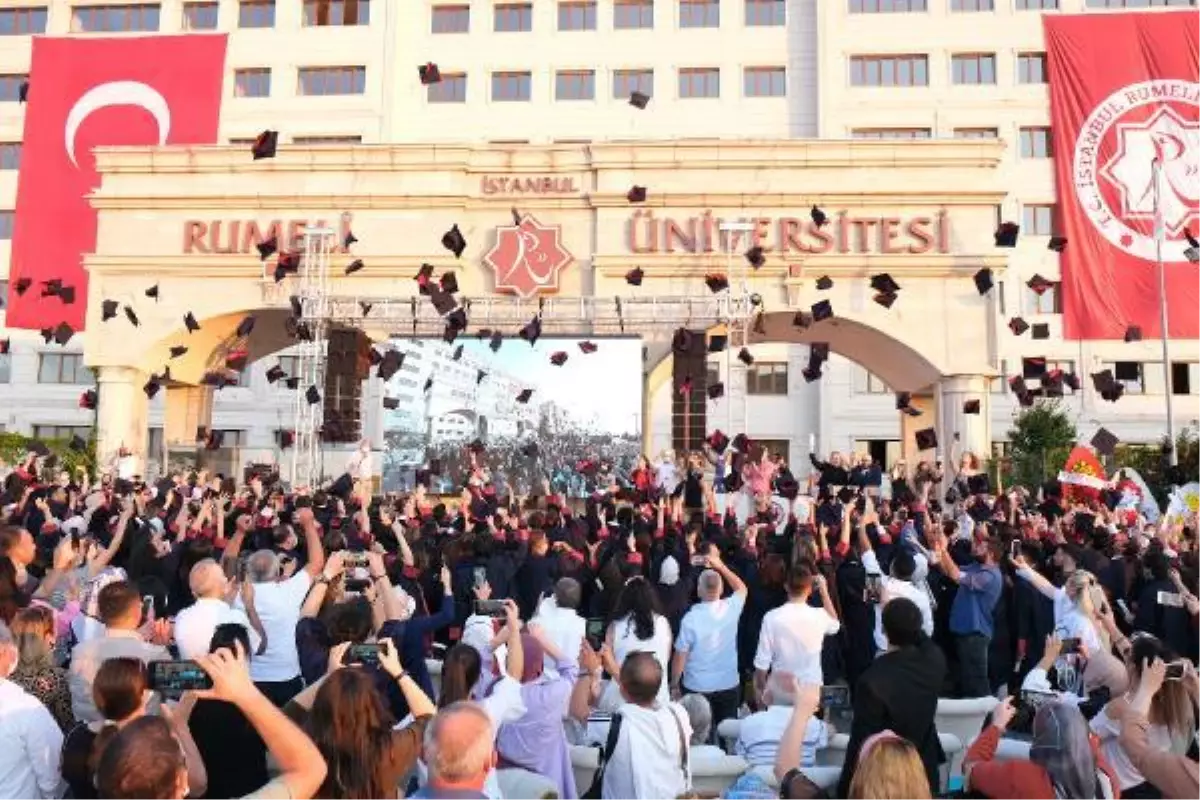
x=174, y=677
x=354, y=560
x=1125, y=611
x=147, y=607
x=1170, y=599
x=1175, y=671
x=835, y=698
x=357, y=584
x=1070, y=645
x=594, y=630
x=490, y=608
x=874, y=589
x=362, y=653
x=1014, y=549
x=480, y=576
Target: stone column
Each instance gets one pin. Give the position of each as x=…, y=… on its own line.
x=122, y=417
x=957, y=431
x=186, y=409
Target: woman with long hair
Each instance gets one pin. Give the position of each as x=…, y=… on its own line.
x=12, y=599
x=889, y=767
x=33, y=630
x=636, y=626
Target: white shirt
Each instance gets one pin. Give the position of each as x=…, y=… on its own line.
x=30, y=746
x=278, y=606
x=625, y=641
x=791, y=639
x=759, y=735
x=665, y=476
x=708, y=634
x=898, y=588
x=646, y=762
x=194, y=626
x=1158, y=738
x=1071, y=623
x=564, y=627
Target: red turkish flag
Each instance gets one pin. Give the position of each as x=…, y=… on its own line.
x=86, y=93
x=1124, y=98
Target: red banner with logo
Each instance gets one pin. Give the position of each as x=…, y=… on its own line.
x=85, y=93
x=1124, y=98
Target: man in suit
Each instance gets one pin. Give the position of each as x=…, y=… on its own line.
x=899, y=692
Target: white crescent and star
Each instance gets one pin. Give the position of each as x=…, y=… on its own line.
x=117, y=93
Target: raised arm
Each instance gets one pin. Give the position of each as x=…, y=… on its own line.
x=791, y=744
x=312, y=542
x=1035, y=578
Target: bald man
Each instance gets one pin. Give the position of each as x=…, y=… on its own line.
x=459, y=751
x=195, y=624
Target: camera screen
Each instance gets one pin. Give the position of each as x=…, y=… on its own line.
x=174, y=677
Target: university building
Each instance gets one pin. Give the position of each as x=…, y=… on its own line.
x=916, y=125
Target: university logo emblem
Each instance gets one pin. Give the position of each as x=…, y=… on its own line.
x=528, y=257
x=1113, y=168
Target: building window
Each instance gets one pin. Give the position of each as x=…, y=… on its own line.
x=1031, y=68
x=115, y=19
x=232, y=438
x=200, y=16
x=866, y=382
x=451, y=89
x=633, y=14
x=1036, y=143
x=976, y=133
x=891, y=133
x=256, y=14
x=5, y=372
x=1037, y=220
x=764, y=377
x=337, y=12
x=712, y=373
x=889, y=70
x=766, y=13
x=3, y=294
x=1049, y=302
x=6, y=225
x=764, y=82
x=332, y=80
x=252, y=82
x=699, y=13
x=999, y=384
x=886, y=6
x=451, y=19
x=515, y=18
x=1138, y=3
x=10, y=155
x=699, y=82
x=577, y=16
x=628, y=81
x=972, y=5
x=333, y=139
x=52, y=433
x=64, y=368
x=22, y=21
x=575, y=85
x=510, y=87
x=10, y=88
x=1037, y=5
x=1185, y=377
x=1131, y=373
x=970, y=69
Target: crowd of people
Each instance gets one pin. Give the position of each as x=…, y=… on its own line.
x=196, y=637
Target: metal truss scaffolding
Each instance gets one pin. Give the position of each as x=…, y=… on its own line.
x=313, y=293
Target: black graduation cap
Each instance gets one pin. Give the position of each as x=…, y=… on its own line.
x=903, y=400
x=52, y=287
x=497, y=340
x=131, y=316
x=1103, y=380
x=479, y=376
x=927, y=439
x=819, y=217
x=245, y=327
x=178, y=350
x=23, y=91
x=443, y=302
x=108, y=310
x=1006, y=234
x=1033, y=367
x=47, y=335
x=818, y=352
x=1052, y=383
x=312, y=395
x=1133, y=334
x=276, y=373
x=1105, y=442
x=756, y=256
x=532, y=331
x=264, y=145
x=152, y=292
x=1041, y=331
x=189, y=321
x=802, y=319
x=884, y=284
x=716, y=282
x=429, y=74
x=745, y=357
x=389, y=365
x=1057, y=243
x=1017, y=384
x=1072, y=380
x=285, y=438
x=971, y=407
x=88, y=400
x=717, y=343
x=152, y=386
x=559, y=358
x=374, y=357
x=885, y=299
x=634, y=276
x=983, y=281
x=822, y=310
x=78, y=443
x=1039, y=285
x=1018, y=326
x=448, y=282
x=457, y=354
x=349, y=239
x=292, y=383
x=355, y=266
x=267, y=247
x=587, y=348
x=456, y=320
x=716, y=390
x=67, y=295
x=391, y=403
x=63, y=333
x=811, y=374
x=639, y=100
x=22, y=286
x=824, y=283
x=524, y=396
x=636, y=194
x=718, y=441
x=428, y=385
x=453, y=241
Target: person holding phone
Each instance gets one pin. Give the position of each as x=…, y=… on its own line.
x=1174, y=775
x=906, y=568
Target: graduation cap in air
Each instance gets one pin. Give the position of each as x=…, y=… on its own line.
x=1105, y=442
x=389, y=365
x=1133, y=334
x=559, y=358
x=152, y=386
x=636, y=194
x=292, y=383
x=1033, y=367
x=108, y=310
x=716, y=390
x=639, y=100
x=448, y=282
x=374, y=357
x=267, y=247
x=178, y=350
x=23, y=92
x=479, y=376
x=716, y=282
x=423, y=276
x=717, y=343
x=47, y=335
x=456, y=321
x=587, y=348
x=802, y=319
x=885, y=299
x=429, y=74
x=717, y=441
x=391, y=403
x=1018, y=326
x=428, y=385
x=88, y=400
x=453, y=241
x=1057, y=243
x=132, y=316
x=1072, y=380
x=349, y=239
x=63, y=333
x=22, y=286
x=819, y=217
x=52, y=287
x=822, y=310
x=904, y=404
x=824, y=283
x=265, y=144
x=189, y=322
x=312, y=395
x=926, y=439
x=443, y=303
x=276, y=373
x=884, y=283
x=457, y=354
x=524, y=396
x=530, y=450
x=78, y=443
x=1052, y=383
x=1017, y=384
x=365, y=307
x=634, y=276
x=1103, y=380
x=1192, y=252
x=1041, y=331
x=983, y=281
x=745, y=356
x=286, y=439
x=67, y=295
x=152, y=292
x=756, y=256
x=532, y=331
x=245, y=327
x=497, y=340
x=1039, y=285
x=971, y=407
x=354, y=266
x=1006, y=234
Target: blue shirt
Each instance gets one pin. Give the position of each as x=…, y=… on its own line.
x=978, y=592
x=708, y=634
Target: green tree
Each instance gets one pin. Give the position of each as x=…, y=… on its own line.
x=14, y=447
x=1040, y=440
x=1151, y=462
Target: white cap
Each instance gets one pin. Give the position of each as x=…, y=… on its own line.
x=74, y=524
x=668, y=572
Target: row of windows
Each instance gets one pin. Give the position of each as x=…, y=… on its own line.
x=310, y=81
x=1032, y=142
x=1139, y=377
x=903, y=6
x=581, y=15
x=205, y=15
x=694, y=82
x=966, y=69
